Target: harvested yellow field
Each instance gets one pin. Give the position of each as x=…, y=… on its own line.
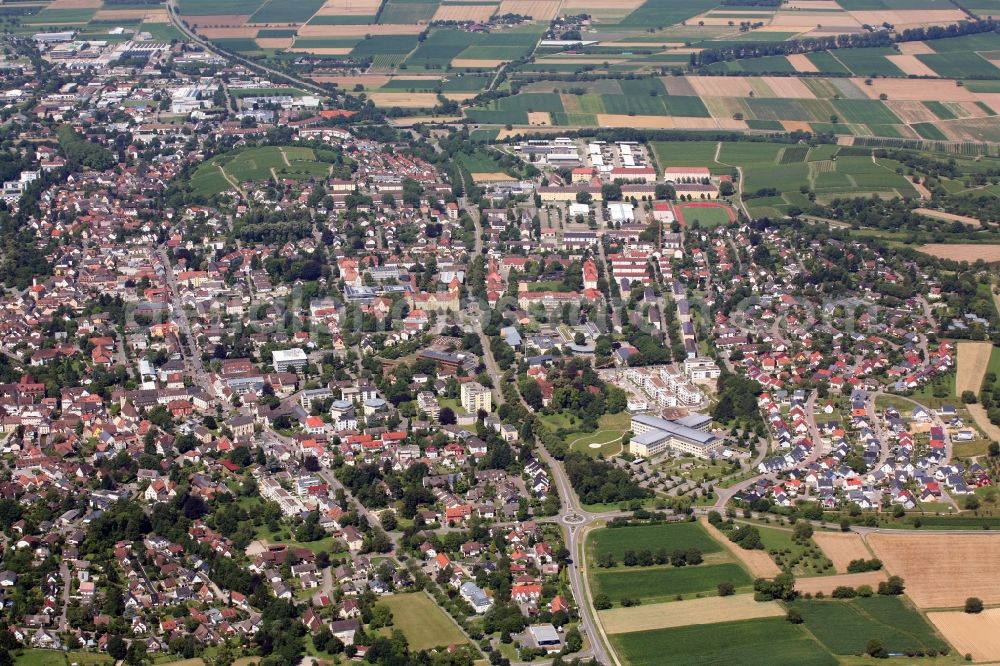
x=667, y=122
x=490, y=176
x=217, y=20
x=950, y=217
x=973, y=357
x=597, y=5
x=827, y=584
x=963, y=252
x=914, y=48
x=360, y=30
x=682, y=613
x=909, y=17
x=976, y=634
x=349, y=8
x=120, y=14
x=910, y=111
x=539, y=118
x=919, y=90
x=322, y=50
x=406, y=100
x=275, y=42
x=229, y=33
x=811, y=20
x=795, y=125
x=814, y=5
x=788, y=87
x=720, y=86
x=478, y=13
x=911, y=65
x=942, y=571
x=580, y=61
x=157, y=16
x=538, y=10
x=982, y=420
x=801, y=63
x=757, y=562
x=75, y=4
x=477, y=62
x=842, y=547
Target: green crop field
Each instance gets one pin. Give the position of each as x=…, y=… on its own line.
x=868, y=62
x=846, y=626
x=423, y=623
x=515, y=109
x=214, y=7
x=663, y=13
x=385, y=45
x=959, y=64
x=679, y=535
x=281, y=11
x=707, y=217
x=407, y=12
x=771, y=641
x=661, y=583
x=864, y=111
x=60, y=16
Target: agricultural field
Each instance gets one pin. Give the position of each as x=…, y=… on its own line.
x=842, y=548
x=844, y=627
x=424, y=624
x=941, y=573
x=683, y=613
x=766, y=641
x=663, y=583
x=978, y=635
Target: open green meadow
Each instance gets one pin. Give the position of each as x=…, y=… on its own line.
x=257, y=164
x=615, y=541
x=56, y=658
x=771, y=641
x=423, y=623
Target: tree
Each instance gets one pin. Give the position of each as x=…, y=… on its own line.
x=973, y=605
x=602, y=602
x=584, y=197
x=116, y=647
x=876, y=649
x=892, y=587
x=794, y=615
x=969, y=397
x=446, y=416
x=726, y=589
x=574, y=641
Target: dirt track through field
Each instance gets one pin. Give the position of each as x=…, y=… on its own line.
x=942, y=571
x=758, y=562
x=682, y=613
x=975, y=634
x=842, y=548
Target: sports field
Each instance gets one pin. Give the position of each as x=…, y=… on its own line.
x=424, y=624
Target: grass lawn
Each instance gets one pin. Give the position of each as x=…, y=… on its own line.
x=846, y=626
x=610, y=429
x=665, y=583
x=771, y=641
x=424, y=624
x=679, y=535
x=54, y=658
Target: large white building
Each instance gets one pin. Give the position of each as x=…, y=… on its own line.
x=285, y=359
x=476, y=397
x=653, y=435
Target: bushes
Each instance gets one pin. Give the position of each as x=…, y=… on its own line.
x=973, y=605
x=892, y=587
x=747, y=537
x=859, y=566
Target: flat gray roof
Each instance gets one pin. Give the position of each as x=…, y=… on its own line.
x=676, y=429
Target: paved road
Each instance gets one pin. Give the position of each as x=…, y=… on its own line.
x=193, y=354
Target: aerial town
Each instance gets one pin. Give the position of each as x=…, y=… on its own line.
x=291, y=375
